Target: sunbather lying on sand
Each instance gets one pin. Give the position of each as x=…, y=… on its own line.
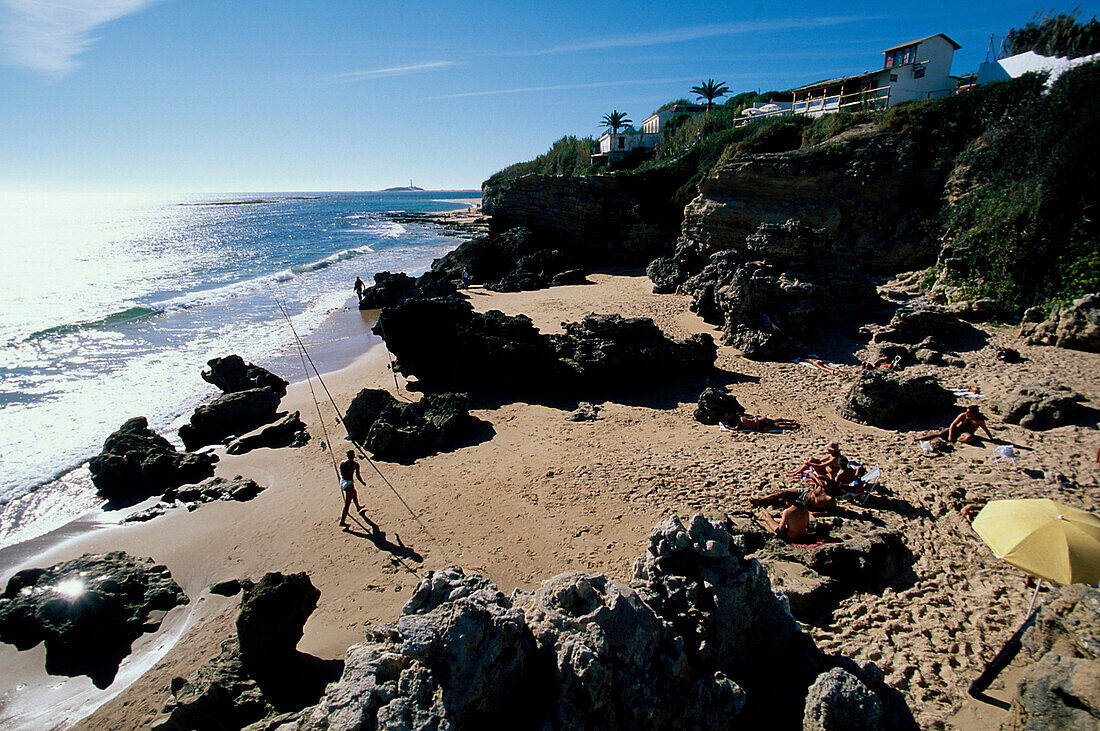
x=882, y=362
x=822, y=365
x=792, y=524
x=829, y=464
x=963, y=429
x=814, y=496
x=756, y=423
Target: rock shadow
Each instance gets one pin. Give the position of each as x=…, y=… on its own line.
x=300, y=682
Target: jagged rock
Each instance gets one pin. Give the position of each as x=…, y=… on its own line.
x=492, y=349
x=392, y=429
x=1062, y=688
x=229, y=415
x=510, y=261
x=229, y=587
x=231, y=374
x=392, y=289
x=714, y=403
x=1076, y=326
x=88, y=611
x=192, y=496
x=289, y=431
x=838, y=701
x=1039, y=405
x=806, y=590
x=137, y=462
x=612, y=350
x=919, y=321
x=585, y=412
x=887, y=398
x=248, y=681
x=698, y=640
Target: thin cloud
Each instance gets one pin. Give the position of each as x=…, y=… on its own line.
x=563, y=87
x=393, y=71
x=690, y=33
x=48, y=36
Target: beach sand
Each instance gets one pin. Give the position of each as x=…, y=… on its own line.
x=532, y=495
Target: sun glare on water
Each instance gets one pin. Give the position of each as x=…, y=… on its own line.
x=70, y=588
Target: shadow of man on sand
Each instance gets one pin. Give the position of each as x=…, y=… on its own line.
x=373, y=533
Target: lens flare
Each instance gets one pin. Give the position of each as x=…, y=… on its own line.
x=70, y=588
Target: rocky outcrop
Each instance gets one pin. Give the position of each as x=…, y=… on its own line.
x=1039, y=405
x=229, y=415
x=596, y=220
x=136, y=462
x=510, y=261
x=289, y=431
x=232, y=374
x=258, y=676
x=715, y=403
x=887, y=398
x=838, y=701
x=696, y=640
x=239, y=489
x=87, y=611
x=585, y=411
x=1061, y=689
x=392, y=429
x=1076, y=326
x=923, y=333
x=778, y=247
x=392, y=289
x=470, y=349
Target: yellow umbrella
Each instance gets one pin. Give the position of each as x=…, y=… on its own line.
x=1045, y=539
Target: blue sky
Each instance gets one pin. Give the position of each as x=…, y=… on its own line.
x=190, y=96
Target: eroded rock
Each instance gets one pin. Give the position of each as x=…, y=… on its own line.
x=1076, y=326
x=232, y=374
x=1039, y=405
x=887, y=398
x=715, y=403
x=229, y=415
x=392, y=429
x=838, y=701
x=289, y=431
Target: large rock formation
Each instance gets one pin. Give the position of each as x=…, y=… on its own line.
x=232, y=374
x=715, y=403
x=258, y=677
x=136, y=462
x=1061, y=689
x=239, y=489
x=1039, y=405
x=510, y=261
x=392, y=429
x=87, y=611
x=888, y=398
x=697, y=640
x=289, y=431
x=229, y=415
x=392, y=289
x=777, y=247
x=470, y=349
x=1075, y=326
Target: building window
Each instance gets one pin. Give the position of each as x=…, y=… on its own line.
x=893, y=77
x=918, y=72
x=622, y=142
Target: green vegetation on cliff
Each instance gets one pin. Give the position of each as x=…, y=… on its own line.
x=568, y=156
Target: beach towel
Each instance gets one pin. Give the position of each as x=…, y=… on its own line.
x=818, y=542
x=725, y=427
x=967, y=393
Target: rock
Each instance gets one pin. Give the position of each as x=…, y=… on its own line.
x=888, y=398
x=229, y=415
x=916, y=322
x=273, y=612
x=136, y=463
x=1039, y=405
x=806, y=590
x=585, y=412
x=87, y=611
x=1076, y=326
x=393, y=289
x=289, y=431
x=493, y=350
x=229, y=587
x=1062, y=688
x=191, y=496
x=258, y=677
x=510, y=261
x=231, y=375
x=838, y=701
x=391, y=429
x=697, y=640
x=714, y=403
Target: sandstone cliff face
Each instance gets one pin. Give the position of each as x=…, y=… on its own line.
x=602, y=220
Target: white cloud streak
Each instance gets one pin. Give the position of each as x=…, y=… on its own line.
x=48, y=35
x=351, y=76
x=690, y=33
x=563, y=87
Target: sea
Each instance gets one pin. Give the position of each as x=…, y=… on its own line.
x=110, y=307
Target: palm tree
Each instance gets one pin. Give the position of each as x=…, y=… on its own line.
x=710, y=90
x=615, y=120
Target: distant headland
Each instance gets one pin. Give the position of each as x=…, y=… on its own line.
x=402, y=189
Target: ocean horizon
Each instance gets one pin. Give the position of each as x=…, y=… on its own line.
x=113, y=306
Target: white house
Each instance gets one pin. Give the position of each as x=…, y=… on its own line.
x=655, y=123
x=918, y=69
x=1015, y=66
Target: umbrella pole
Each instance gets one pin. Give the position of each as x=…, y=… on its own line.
x=1034, y=596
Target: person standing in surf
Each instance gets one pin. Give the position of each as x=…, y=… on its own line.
x=349, y=470
x=360, y=288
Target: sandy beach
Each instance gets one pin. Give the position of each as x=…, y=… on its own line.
x=531, y=495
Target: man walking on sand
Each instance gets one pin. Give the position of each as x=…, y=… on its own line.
x=349, y=470
x=360, y=288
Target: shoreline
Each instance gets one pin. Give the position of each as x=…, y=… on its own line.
x=545, y=495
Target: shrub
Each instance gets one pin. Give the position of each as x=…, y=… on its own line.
x=568, y=156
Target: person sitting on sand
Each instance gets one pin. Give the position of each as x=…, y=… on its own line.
x=963, y=429
x=815, y=497
x=755, y=423
x=792, y=524
x=827, y=465
x=349, y=469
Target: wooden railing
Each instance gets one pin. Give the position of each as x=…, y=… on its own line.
x=825, y=104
